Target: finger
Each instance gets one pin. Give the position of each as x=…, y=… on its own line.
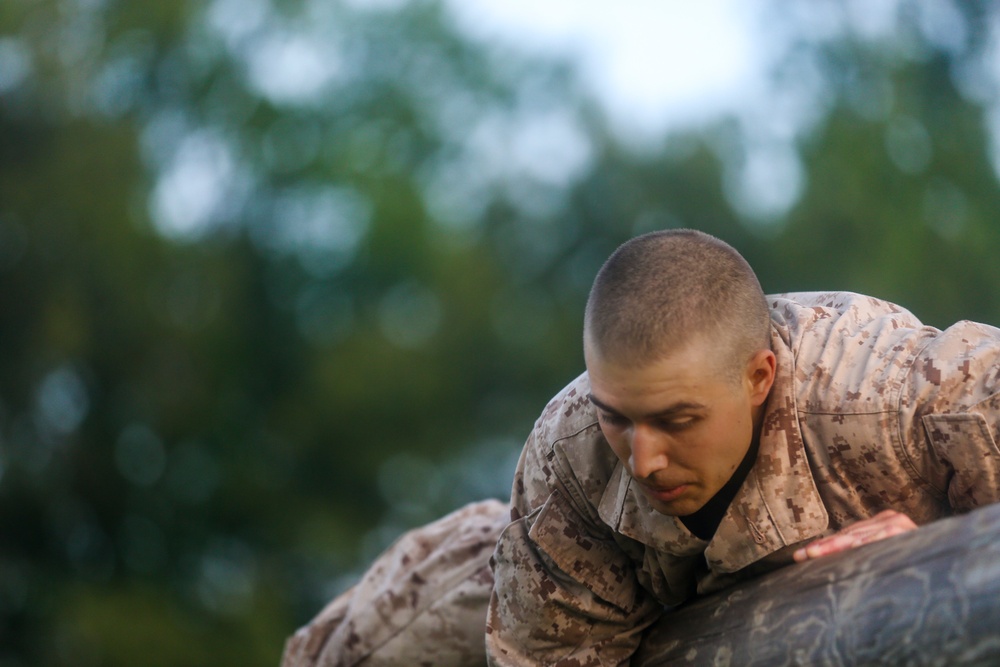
x=887, y=524
x=885, y=517
x=824, y=547
x=889, y=520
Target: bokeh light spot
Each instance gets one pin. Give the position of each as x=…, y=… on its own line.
x=409, y=315
x=62, y=402
x=189, y=195
x=15, y=64
x=290, y=67
x=228, y=577
x=140, y=455
x=908, y=144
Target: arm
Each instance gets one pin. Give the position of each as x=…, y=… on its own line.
x=564, y=592
x=952, y=398
x=949, y=416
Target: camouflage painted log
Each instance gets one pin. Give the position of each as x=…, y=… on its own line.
x=930, y=597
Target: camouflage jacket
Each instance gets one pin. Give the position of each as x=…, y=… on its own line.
x=870, y=410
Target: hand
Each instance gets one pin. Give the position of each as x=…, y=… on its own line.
x=882, y=525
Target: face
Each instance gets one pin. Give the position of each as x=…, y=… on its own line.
x=679, y=425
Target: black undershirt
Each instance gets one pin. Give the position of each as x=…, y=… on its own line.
x=705, y=521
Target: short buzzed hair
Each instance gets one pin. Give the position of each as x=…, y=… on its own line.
x=660, y=290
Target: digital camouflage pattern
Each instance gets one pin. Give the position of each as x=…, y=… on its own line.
x=421, y=604
x=870, y=410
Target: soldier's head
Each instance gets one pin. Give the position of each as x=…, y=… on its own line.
x=677, y=345
x=661, y=291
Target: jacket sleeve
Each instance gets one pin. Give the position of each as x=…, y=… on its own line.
x=564, y=592
x=952, y=395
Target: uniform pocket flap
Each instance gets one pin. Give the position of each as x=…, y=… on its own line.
x=964, y=443
x=595, y=561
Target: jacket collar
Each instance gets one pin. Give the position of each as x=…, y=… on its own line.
x=777, y=506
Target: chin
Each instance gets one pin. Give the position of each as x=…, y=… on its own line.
x=682, y=507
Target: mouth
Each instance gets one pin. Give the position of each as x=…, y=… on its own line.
x=666, y=494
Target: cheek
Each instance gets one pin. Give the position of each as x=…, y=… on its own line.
x=618, y=443
x=733, y=441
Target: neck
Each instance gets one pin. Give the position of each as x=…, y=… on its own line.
x=705, y=521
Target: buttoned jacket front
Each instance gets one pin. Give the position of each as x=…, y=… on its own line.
x=870, y=410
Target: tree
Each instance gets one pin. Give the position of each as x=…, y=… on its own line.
x=282, y=279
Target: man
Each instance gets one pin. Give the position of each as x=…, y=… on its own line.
x=716, y=434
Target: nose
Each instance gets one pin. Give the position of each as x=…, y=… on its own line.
x=648, y=453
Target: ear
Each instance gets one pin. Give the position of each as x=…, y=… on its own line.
x=761, y=370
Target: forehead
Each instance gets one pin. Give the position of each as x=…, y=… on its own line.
x=708, y=345
x=690, y=373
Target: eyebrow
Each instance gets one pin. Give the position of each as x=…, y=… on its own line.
x=671, y=410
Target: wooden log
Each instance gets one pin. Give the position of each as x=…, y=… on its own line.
x=929, y=597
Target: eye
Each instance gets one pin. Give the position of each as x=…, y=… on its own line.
x=677, y=424
x=609, y=419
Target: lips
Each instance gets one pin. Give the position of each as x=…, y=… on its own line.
x=667, y=494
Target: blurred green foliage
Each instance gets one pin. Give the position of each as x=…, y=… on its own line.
x=281, y=279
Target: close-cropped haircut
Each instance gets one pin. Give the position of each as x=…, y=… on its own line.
x=659, y=291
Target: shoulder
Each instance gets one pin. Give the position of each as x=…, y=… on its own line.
x=568, y=413
x=567, y=447
x=846, y=312
x=850, y=351
x=957, y=370
x=855, y=350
